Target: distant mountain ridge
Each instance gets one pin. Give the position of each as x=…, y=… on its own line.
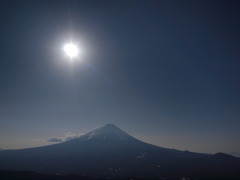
x=110, y=152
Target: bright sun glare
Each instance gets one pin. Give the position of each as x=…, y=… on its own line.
x=71, y=50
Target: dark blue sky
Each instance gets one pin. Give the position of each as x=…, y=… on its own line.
x=166, y=72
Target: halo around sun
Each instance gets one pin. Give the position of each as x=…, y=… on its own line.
x=71, y=50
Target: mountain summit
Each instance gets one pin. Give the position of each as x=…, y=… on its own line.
x=109, y=132
x=110, y=152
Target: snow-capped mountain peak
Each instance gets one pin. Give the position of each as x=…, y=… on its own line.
x=109, y=131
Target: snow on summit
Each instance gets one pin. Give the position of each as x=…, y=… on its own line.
x=109, y=131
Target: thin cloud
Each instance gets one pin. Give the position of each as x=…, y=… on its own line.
x=67, y=136
x=55, y=140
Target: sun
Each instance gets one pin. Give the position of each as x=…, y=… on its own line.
x=71, y=50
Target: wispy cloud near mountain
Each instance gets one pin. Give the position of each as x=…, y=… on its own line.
x=55, y=140
x=236, y=154
x=67, y=136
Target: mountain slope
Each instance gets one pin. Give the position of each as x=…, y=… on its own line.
x=110, y=152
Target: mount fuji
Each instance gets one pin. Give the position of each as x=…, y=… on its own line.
x=110, y=152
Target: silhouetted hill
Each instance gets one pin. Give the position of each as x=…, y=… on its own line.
x=110, y=152
x=30, y=175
